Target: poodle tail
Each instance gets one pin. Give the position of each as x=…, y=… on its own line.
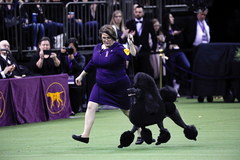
x=168, y=94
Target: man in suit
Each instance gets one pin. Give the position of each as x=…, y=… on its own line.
x=8, y=65
x=197, y=31
x=144, y=35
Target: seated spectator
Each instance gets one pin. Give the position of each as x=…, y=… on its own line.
x=10, y=13
x=8, y=66
x=57, y=23
x=54, y=18
x=72, y=64
x=13, y=18
x=46, y=61
x=33, y=19
x=90, y=16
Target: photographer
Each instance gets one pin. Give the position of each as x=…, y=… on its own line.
x=46, y=62
x=72, y=64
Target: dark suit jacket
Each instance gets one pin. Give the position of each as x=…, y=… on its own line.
x=4, y=63
x=143, y=39
x=190, y=31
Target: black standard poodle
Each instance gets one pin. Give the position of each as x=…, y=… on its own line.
x=150, y=106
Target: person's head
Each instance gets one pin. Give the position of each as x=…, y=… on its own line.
x=168, y=20
x=4, y=44
x=156, y=24
x=171, y=19
x=133, y=8
x=201, y=13
x=138, y=12
x=107, y=35
x=44, y=43
x=73, y=43
x=117, y=18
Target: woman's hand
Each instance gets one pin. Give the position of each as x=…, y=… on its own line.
x=78, y=80
x=41, y=54
x=53, y=55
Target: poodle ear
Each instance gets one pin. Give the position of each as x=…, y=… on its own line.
x=146, y=135
x=126, y=139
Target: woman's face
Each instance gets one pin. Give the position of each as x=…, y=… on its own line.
x=171, y=19
x=118, y=18
x=156, y=26
x=107, y=40
x=44, y=45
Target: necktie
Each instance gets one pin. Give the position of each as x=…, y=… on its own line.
x=139, y=27
x=138, y=22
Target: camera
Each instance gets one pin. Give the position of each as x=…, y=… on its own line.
x=69, y=50
x=47, y=52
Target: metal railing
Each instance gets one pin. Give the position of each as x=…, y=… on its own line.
x=69, y=21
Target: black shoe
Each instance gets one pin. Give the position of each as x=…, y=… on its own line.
x=139, y=140
x=200, y=99
x=80, y=138
x=72, y=114
x=210, y=98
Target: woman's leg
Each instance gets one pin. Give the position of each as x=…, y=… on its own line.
x=89, y=118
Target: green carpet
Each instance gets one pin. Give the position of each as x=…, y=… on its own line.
x=218, y=124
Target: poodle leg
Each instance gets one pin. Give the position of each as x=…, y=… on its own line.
x=134, y=129
x=190, y=131
x=164, y=135
x=160, y=125
x=173, y=113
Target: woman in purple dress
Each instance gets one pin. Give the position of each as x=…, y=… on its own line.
x=109, y=59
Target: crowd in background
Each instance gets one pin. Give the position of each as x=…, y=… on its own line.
x=149, y=36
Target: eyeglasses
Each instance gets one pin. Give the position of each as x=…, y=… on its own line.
x=6, y=45
x=106, y=38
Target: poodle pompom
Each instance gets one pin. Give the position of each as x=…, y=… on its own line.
x=126, y=139
x=191, y=132
x=146, y=135
x=164, y=136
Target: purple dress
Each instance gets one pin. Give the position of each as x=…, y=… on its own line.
x=111, y=78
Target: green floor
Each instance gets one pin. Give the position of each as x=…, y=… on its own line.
x=218, y=124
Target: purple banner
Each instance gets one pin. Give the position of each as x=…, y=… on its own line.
x=27, y=100
x=6, y=109
x=56, y=95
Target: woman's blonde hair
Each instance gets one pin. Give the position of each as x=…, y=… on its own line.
x=112, y=22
